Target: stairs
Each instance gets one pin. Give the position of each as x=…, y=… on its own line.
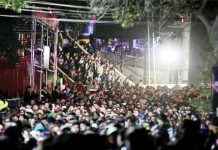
x=118, y=73
x=64, y=74
x=130, y=67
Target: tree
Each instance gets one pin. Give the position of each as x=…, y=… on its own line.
x=15, y=5
x=129, y=12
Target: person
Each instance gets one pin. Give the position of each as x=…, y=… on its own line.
x=27, y=95
x=3, y=104
x=55, y=94
x=45, y=96
x=80, y=86
x=1, y=129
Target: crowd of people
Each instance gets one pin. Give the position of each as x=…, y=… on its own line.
x=119, y=118
x=108, y=114
x=87, y=68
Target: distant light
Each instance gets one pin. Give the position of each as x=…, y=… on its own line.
x=181, y=18
x=49, y=10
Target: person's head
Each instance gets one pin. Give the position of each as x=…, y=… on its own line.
x=83, y=126
x=161, y=119
x=110, y=103
x=59, y=117
x=47, y=106
x=95, y=115
x=55, y=129
x=57, y=88
x=78, y=112
x=2, y=129
x=75, y=128
x=32, y=102
x=44, y=87
x=138, y=139
x=21, y=118
x=35, y=107
x=28, y=88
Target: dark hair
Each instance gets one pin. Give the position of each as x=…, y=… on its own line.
x=56, y=87
x=2, y=98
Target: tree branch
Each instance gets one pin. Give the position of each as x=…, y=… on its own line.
x=80, y=15
x=202, y=5
x=204, y=20
x=164, y=21
x=105, y=11
x=215, y=24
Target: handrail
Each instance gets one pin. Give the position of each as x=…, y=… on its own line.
x=127, y=67
x=82, y=48
x=116, y=70
x=123, y=61
x=79, y=45
x=64, y=74
x=124, y=77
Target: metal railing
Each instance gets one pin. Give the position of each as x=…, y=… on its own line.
x=118, y=72
x=64, y=74
x=116, y=60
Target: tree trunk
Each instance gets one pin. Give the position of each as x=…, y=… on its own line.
x=212, y=30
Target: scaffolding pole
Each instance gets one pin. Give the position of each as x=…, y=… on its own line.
x=41, y=71
x=32, y=64
x=153, y=53
x=55, y=56
x=149, y=51
x=46, y=70
x=154, y=59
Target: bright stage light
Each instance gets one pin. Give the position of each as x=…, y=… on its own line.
x=168, y=56
x=168, y=53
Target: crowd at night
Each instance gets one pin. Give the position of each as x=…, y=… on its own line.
x=121, y=117
x=63, y=89
x=100, y=111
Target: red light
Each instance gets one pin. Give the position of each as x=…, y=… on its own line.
x=94, y=18
x=181, y=18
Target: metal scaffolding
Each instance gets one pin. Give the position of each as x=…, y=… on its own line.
x=40, y=66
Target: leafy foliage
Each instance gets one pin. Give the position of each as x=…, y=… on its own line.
x=128, y=17
x=15, y=5
x=128, y=12
x=70, y=28
x=203, y=105
x=51, y=78
x=210, y=58
x=204, y=102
